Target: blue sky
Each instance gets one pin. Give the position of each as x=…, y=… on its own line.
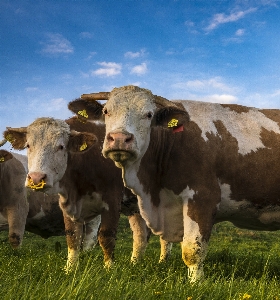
x=53, y=51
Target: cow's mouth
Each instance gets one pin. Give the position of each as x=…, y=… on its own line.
x=120, y=157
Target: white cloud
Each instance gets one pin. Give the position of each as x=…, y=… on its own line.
x=108, y=69
x=56, y=44
x=86, y=35
x=214, y=83
x=31, y=89
x=219, y=19
x=139, y=69
x=56, y=104
x=220, y=98
x=240, y=32
x=130, y=54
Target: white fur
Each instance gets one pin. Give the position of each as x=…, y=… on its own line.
x=245, y=127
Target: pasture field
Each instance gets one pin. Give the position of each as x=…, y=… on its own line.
x=241, y=264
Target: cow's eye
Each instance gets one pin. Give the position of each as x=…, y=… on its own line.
x=149, y=115
x=105, y=111
x=61, y=147
x=27, y=146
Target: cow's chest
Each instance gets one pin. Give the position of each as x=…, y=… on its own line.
x=166, y=219
x=93, y=205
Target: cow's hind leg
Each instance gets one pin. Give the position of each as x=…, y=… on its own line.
x=141, y=234
x=165, y=250
x=90, y=233
x=74, y=235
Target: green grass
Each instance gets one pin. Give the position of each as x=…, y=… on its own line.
x=240, y=264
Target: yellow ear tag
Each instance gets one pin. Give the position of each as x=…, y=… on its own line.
x=83, y=147
x=9, y=138
x=172, y=123
x=2, y=159
x=33, y=186
x=83, y=113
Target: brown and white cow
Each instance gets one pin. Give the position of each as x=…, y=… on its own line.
x=193, y=164
x=13, y=199
x=65, y=157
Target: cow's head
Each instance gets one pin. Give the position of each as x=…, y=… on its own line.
x=48, y=142
x=129, y=115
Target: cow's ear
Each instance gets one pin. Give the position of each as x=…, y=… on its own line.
x=80, y=142
x=16, y=136
x=171, y=118
x=87, y=110
x=5, y=155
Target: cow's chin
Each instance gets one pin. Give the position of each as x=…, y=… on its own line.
x=120, y=157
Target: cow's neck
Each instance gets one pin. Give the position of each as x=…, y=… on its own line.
x=146, y=175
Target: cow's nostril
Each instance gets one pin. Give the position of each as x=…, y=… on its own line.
x=110, y=138
x=128, y=139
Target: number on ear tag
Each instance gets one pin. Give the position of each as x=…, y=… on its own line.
x=83, y=147
x=172, y=123
x=83, y=113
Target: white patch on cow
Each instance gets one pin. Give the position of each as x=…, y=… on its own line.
x=3, y=220
x=244, y=214
x=39, y=215
x=229, y=207
x=271, y=215
x=246, y=127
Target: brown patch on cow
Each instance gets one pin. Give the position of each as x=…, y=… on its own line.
x=273, y=114
x=237, y=108
x=51, y=224
x=255, y=176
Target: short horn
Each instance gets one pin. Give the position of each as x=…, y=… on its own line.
x=20, y=129
x=96, y=96
x=163, y=101
x=3, y=142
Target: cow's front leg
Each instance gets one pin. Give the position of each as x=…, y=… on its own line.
x=74, y=235
x=90, y=233
x=141, y=234
x=165, y=250
x=195, y=240
x=16, y=219
x=107, y=235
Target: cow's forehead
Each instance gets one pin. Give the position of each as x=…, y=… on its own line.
x=133, y=99
x=48, y=129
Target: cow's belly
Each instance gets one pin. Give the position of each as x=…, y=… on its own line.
x=245, y=214
x=166, y=219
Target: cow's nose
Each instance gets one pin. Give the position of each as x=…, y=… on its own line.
x=36, y=177
x=119, y=139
